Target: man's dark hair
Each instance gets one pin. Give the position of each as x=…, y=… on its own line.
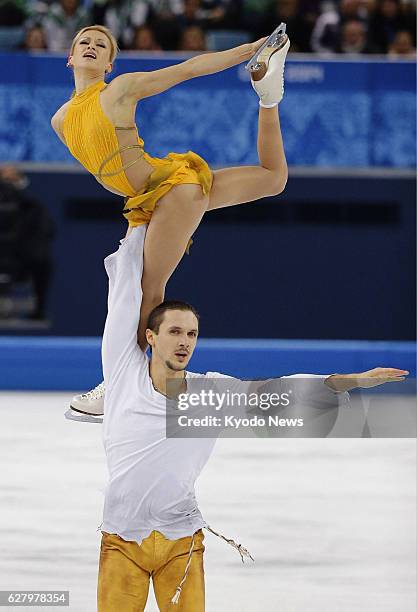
x=157, y=315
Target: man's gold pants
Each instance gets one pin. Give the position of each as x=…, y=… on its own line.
x=126, y=568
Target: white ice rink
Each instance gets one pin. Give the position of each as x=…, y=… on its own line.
x=330, y=522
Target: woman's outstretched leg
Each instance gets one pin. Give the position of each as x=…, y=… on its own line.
x=237, y=185
x=270, y=146
x=173, y=222
x=179, y=213
x=247, y=183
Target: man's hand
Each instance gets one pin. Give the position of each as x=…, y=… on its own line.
x=364, y=380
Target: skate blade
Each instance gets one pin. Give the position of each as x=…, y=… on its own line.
x=85, y=411
x=73, y=415
x=274, y=43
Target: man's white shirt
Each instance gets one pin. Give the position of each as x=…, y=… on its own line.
x=151, y=477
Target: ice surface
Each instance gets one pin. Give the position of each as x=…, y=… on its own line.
x=330, y=522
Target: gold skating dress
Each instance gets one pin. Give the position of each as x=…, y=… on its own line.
x=92, y=140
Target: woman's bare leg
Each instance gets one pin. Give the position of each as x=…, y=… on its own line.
x=247, y=183
x=179, y=213
x=173, y=222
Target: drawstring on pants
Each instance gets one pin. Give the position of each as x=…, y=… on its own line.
x=241, y=549
x=176, y=597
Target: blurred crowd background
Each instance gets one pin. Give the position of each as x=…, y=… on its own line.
x=349, y=133
x=316, y=26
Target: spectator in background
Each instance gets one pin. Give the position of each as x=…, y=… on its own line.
x=209, y=14
x=30, y=251
x=403, y=45
x=122, y=17
x=144, y=39
x=216, y=14
x=165, y=19
x=327, y=32
x=35, y=39
x=353, y=38
x=300, y=22
x=191, y=15
x=61, y=22
x=193, y=39
x=388, y=18
x=167, y=8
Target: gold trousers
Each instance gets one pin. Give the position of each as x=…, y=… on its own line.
x=125, y=570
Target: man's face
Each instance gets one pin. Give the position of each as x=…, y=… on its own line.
x=175, y=342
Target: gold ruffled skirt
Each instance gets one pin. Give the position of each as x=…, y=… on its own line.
x=174, y=169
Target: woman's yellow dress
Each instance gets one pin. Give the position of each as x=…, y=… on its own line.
x=92, y=140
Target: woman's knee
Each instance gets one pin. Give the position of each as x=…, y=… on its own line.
x=153, y=294
x=276, y=181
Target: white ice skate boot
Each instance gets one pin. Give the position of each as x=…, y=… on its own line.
x=266, y=68
x=88, y=407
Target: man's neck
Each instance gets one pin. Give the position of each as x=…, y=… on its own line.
x=160, y=373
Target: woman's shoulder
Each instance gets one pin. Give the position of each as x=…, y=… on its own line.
x=117, y=90
x=117, y=106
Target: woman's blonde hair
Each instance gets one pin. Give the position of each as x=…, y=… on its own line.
x=113, y=42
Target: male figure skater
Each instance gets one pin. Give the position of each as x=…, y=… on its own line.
x=152, y=526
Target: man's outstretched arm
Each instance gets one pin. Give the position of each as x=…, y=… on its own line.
x=316, y=400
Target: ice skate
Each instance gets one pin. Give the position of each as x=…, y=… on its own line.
x=88, y=407
x=266, y=67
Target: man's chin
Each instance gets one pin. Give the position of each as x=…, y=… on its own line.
x=177, y=366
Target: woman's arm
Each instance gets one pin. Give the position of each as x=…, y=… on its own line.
x=138, y=85
x=209, y=63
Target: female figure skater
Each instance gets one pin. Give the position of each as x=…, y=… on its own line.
x=171, y=194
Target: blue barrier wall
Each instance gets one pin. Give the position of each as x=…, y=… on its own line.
x=332, y=258
x=335, y=113
x=63, y=363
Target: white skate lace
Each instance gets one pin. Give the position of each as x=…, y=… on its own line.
x=96, y=393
